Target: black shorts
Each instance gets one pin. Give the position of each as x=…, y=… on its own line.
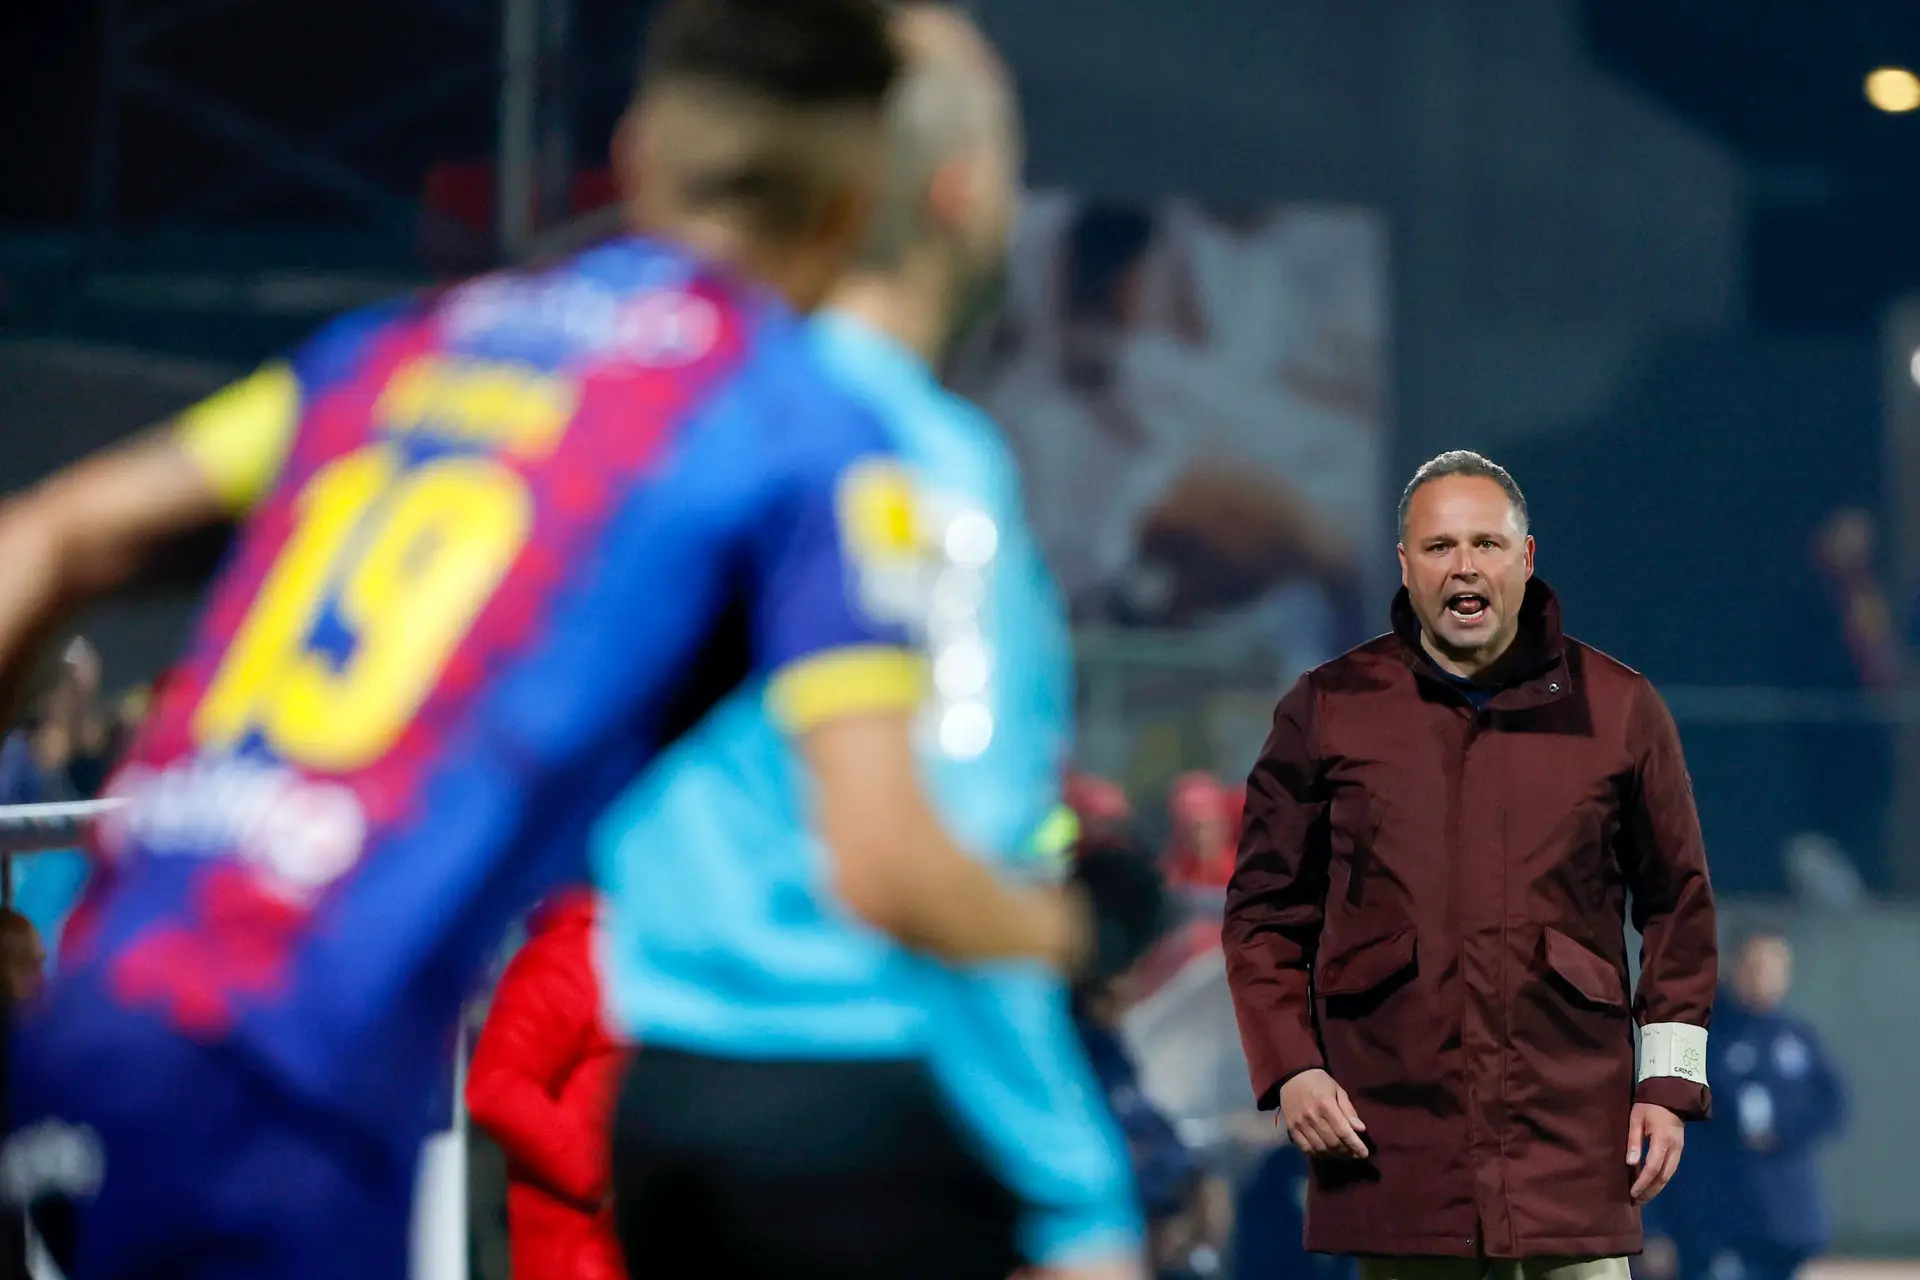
x=801, y=1169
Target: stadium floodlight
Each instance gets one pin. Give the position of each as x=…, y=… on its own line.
x=1894, y=90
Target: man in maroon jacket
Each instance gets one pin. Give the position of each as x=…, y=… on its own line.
x=1424, y=930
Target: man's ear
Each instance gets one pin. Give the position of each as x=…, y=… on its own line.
x=950, y=194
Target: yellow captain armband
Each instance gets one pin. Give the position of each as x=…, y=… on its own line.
x=240, y=436
x=849, y=681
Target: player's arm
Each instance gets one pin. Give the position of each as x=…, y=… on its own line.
x=124, y=514
x=901, y=872
x=898, y=869
x=847, y=684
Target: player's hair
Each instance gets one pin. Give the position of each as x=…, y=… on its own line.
x=1463, y=462
x=767, y=103
x=944, y=103
x=801, y=53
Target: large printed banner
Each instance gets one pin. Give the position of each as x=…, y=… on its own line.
x=1197, y=398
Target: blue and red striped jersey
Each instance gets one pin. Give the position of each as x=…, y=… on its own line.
x=500, y=546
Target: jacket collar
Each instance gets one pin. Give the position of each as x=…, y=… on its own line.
x=1535, y=670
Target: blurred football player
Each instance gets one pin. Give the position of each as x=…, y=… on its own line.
x=825, y=1090
x=500, y=547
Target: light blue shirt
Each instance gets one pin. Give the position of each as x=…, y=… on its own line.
x=724, y=936
x=45, y=884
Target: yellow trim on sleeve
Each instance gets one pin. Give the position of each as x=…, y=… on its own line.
x=843, y=682
x=240, y=436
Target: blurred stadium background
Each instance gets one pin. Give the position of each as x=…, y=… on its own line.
x=1660, y=259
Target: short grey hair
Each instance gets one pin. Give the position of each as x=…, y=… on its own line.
x=945, y=102
x=1463, y=462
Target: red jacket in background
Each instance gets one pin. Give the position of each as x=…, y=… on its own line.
x=1205, y=821
x=542, y=1085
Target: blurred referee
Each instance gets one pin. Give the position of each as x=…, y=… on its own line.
x=843, y=1075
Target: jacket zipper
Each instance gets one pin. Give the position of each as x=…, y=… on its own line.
x=1456, y=870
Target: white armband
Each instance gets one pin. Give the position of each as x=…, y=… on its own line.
x=1673, y=1049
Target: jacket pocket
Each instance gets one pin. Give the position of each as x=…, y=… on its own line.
x=1379, y=1029
x=1590, y=976
x=1363, y=973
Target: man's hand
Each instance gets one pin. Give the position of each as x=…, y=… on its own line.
x=1320, y=1117
x=91, y=529
x=1655, y=1138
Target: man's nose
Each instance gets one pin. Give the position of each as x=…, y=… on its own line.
x=1464, y=564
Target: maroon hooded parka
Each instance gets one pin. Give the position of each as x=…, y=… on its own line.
x=1429, y=903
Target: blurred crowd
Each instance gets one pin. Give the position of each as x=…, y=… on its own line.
x=1845, y=770
x=1202, y=823
x=1847, y=633
x=71, y=735
x=1187, y=1198
x=64, y=748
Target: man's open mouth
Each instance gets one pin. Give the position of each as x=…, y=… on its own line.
x=1467, y=606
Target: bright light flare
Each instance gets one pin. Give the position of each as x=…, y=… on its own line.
x=1895, y=90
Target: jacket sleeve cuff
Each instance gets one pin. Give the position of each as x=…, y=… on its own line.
x=1284, y=1060
x=1673, y=1069
x=1684, y=1098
